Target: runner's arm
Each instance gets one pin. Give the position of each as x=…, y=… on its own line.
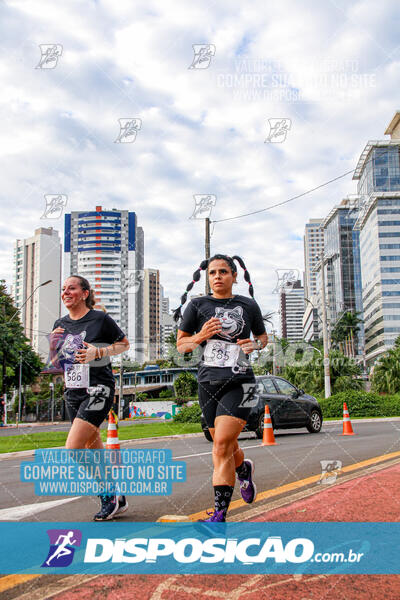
x=187, y=342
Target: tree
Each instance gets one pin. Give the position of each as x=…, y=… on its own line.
x=344, y=374
x=185, y=385
x=13, y=346
x=346, y=327
x=386, y=375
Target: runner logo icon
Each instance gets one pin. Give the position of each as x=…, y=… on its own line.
x=61, y=551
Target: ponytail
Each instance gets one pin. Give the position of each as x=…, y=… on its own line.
x=203, y=266
x=246, y=274
x=196, y=276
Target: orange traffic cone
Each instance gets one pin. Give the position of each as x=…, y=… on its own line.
x=112, y=432
x=268, y=433
x=347, y=428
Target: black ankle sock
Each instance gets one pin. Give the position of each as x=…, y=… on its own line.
x=242, y=470
x=222, y=497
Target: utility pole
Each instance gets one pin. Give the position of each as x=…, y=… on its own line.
x=327, y=375
x=3, y=407
x=207, y=249
x=121, y=388
x=20, y=386
x=274, y=353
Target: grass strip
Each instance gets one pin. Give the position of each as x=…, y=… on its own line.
x=33, y=441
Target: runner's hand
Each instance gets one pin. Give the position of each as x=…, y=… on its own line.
x=86, y=355
x=210, y=328
x=55, y=336
x=247, y=345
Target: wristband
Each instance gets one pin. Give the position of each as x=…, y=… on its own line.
x=259, y=344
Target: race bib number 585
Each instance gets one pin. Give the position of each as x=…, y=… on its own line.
x=76, y=376
x=220, y=354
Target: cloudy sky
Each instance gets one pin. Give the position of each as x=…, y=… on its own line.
x=329, y=71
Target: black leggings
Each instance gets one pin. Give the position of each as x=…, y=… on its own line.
x=224, y=398
x=92, y=407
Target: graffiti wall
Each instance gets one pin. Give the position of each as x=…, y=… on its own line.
x=165, y=409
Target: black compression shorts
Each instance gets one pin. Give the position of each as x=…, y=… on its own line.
x=225, y=398
x=90, y=404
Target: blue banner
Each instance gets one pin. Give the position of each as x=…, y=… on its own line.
x=199, y=548
x=131, y=472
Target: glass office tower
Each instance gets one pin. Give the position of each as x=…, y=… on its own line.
x=378, y=174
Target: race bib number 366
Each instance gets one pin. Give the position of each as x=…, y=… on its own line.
x=220, y=354
x=76, y=376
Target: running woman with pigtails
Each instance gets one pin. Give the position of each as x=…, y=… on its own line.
x=221, y=324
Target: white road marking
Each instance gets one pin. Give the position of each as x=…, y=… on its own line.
x=204, y=453
x=16, y=513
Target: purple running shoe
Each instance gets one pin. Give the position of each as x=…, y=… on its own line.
x=247, y=486
x=216, y=516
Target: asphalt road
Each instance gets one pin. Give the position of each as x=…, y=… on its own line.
x=297, y=456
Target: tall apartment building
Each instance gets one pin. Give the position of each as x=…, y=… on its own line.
x=167, y=324
x=151, y=314
x=291, y=299
x=313, y=246
x=106, y=247
x=343, y=268
x=36, y=260
x=378, y=176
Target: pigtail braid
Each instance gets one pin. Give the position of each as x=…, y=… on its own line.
x=246, y=274
x=196, y=276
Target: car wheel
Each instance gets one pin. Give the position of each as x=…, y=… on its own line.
x=206, y=431
x=260, y=428
x=315, y=422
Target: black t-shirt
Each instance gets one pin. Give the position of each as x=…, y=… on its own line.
x=96, y=328
x=239, y=316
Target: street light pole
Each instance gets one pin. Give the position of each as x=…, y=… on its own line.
x=327, y=375
x=20, y=354
x=51, y=384
x=207, y=251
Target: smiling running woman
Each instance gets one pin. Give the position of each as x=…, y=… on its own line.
x=222, y=323
x=83, y=341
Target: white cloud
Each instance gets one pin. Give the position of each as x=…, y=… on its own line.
x=199, y=134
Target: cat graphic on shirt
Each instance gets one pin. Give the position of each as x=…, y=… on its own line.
x=231, y=320
x=71, y=344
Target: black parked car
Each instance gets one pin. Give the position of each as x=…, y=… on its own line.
x=289, y=407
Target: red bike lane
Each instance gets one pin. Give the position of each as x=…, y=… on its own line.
x=370, y=497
